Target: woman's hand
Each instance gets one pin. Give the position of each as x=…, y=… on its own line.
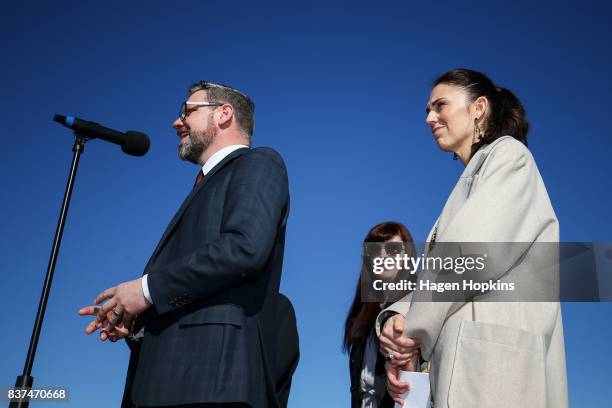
x=395, y=387
x=398, y=349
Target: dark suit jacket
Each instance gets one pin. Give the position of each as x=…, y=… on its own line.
x=214, y=279
x=380, y=384
x=284, y=338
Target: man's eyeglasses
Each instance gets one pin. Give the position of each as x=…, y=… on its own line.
x=375, y=249
x=184, y=112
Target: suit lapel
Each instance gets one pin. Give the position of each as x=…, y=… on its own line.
x=188, y=199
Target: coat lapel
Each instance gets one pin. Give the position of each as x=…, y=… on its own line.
x=462, y=189
x=188, y=199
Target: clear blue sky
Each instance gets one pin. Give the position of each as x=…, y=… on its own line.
x=340, y=91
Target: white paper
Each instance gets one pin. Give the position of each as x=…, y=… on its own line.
x=418, y=396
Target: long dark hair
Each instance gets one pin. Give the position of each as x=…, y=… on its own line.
x=506, y=113
x=362, y=315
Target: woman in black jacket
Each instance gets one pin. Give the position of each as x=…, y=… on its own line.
x=367, y=365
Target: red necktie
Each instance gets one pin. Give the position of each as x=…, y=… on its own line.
x=198, y=179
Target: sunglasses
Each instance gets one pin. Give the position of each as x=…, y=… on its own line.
x=375, y=249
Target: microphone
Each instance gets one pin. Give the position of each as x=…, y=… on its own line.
x=132, y=142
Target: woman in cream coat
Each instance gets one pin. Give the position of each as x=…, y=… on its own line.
x=486, y=354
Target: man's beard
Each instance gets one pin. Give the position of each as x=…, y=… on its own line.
x=197, y=143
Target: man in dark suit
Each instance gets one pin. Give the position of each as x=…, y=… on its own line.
x=215, y=330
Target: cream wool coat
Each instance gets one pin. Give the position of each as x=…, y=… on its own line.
x=494, y=354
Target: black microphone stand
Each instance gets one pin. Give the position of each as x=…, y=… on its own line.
x=25, y=380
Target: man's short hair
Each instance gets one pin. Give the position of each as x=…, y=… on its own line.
x=243, y=105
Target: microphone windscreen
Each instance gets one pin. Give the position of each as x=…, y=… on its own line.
x=60, y=119
x=136, y=143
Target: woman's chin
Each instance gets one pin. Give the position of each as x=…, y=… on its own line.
x=445, y=147
x=447, y=144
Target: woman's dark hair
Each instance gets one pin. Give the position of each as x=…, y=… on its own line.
x=506, y=114
x=362, y=315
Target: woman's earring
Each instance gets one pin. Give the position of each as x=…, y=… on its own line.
x=477, y=130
